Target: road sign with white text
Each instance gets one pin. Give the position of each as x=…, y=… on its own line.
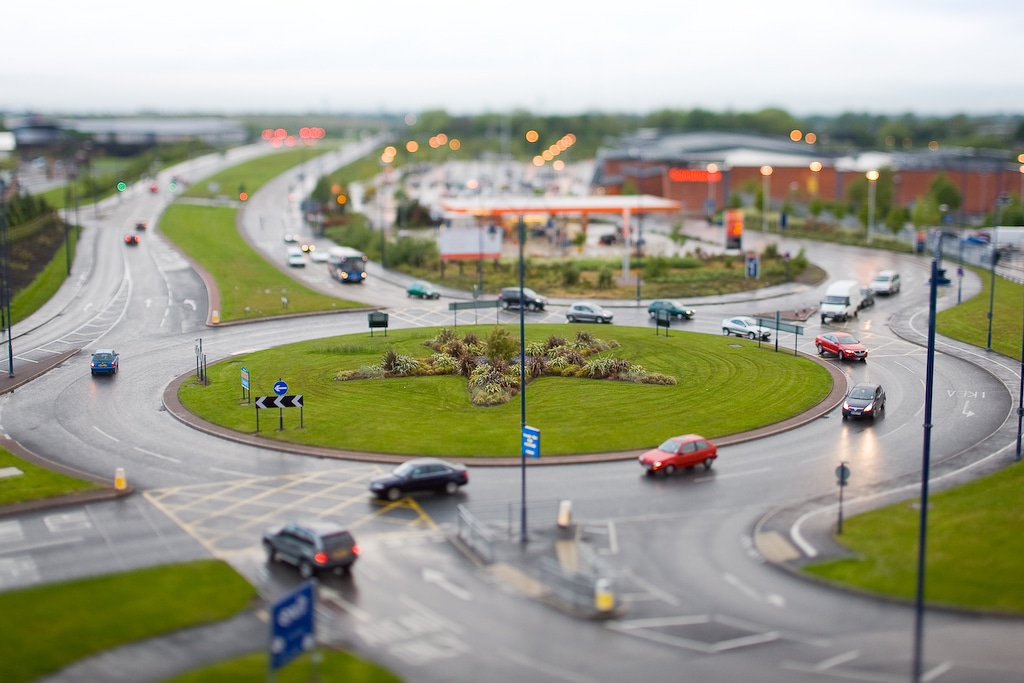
x=292, y=627
x=531, y=442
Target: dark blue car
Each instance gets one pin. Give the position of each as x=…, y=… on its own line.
x=104, y=361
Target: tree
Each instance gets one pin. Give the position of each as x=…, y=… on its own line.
x=945, y=192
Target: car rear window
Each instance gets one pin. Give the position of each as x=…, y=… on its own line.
x=102, y=356
x=342, y=539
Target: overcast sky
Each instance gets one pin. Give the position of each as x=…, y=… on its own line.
x=547, y=57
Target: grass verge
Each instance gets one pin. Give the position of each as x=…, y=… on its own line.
x=36, y=482
x=335, y=666
x=968, y=321
x=249, y=286
x=973, y=551
x=48, y=627
x=724, y=385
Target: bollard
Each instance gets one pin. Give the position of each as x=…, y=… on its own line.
x=120, y=482
x=565, y=514
x=215, y=316
x=604, y=597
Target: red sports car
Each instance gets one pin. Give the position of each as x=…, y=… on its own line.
x=679, y=452
x=841, y=344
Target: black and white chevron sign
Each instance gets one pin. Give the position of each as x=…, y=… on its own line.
x=279, y=401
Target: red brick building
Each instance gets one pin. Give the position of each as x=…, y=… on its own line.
x=701, y=170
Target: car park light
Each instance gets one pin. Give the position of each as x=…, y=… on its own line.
x=320, y=558
x=356, y=550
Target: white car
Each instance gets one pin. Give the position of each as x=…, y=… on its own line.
x=588, y=311
x=743, y=326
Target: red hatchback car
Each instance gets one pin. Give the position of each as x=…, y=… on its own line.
x=679, y=452
x=842, y=345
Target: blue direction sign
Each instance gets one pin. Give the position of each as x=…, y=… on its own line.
x=245, y=377
x=531, y=442
x=292, y=629
x=753, y=266
x=280, y=387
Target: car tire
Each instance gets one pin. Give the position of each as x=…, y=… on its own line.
x=437, y=296
x=451, y=488
x=669, y=470
x=725, y=331
x=531, y=306
x=650, y=314
x=305, y=569
x=708, y=462
x=820, y=350
x=393, y=493
x=571, y=318
x=504, y=304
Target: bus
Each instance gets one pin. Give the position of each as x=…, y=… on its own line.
x=346, y=264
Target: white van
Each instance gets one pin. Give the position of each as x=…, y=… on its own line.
x=842, y=301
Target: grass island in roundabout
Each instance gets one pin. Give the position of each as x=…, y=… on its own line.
x=453, y=392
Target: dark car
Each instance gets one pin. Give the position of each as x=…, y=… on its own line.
x=608, y=238
x=531, y=300
x=104, y=361
x=675, y=309
x=867, y=297
x=679, y=452
x=140, y=225
x=312, y=546
x=131, y=240
x=864, y=400
x=420, y=474
x=423, y=290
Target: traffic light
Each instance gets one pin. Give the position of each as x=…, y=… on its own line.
x=939, y=275
x=121, y=186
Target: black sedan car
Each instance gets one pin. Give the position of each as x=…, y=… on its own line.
x=311, y=546
x=420, y=474
x=864, y=400
x=675, y=309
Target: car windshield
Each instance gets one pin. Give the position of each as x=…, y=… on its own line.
x=862, y=392
x=404, y=470
x=846, y=339
x=670, y=446
x=840, y=300
x=102, y=356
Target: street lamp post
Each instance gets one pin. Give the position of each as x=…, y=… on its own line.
x=766, y=189
x=5, y=290
x=992, y=283
x=712, y=170
x=872, y=177
x=521, y=230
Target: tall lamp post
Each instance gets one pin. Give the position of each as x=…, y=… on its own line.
x=5, y=290
x=937, y=278
x=766, y=193
x=521, y=230
x=872, y=177
x=712, y=170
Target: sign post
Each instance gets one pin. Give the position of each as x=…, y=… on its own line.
x=292, y=627
x=246, y=392
x=280, y=388
x=531, y=442
x=843, y=475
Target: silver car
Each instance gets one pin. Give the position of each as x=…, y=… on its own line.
x=744, y=326
x=588, y=312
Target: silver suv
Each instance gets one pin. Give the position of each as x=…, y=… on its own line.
x=886, y=282
x=533, y=301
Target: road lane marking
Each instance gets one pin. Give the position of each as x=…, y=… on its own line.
x=112, y=438
x=157, y=455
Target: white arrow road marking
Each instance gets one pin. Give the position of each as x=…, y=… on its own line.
x=753, y=594
x=438, y=579
x=189, y=302
x=968, y=413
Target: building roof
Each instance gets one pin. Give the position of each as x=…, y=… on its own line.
x=530, y=204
